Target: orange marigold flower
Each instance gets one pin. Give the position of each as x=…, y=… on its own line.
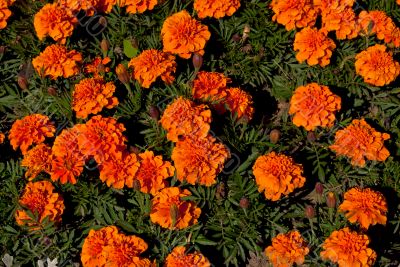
x=170, y=211
x=287, y=249
x=343, y=21
x=278, y=175
x=180, y=258
x=313, y=46
x=150, y=65
x=184, y=118
x=183, y=35
x=5, y=13
x=377, y=66
x=377, y=22
x=93, y=253
x=152, y=172
x=239, y=103
x=294, y=13
x=39, y=198
x=348, y=248
x=97, y=66
x=314, y=105
x=216, y=8
x=199, y=160
x=119, y=170
x=91, y=95
x=210, y=86
x=30, y=130
x=365, y=206
x=359, y=141
x=101, y=137
x=37, y=159
x=54, y=21
x=124, y=251
x=138, y=6
x=90, y=7
x=67, y=161
x=2, y=137
x=324, y=6
x=56, y=61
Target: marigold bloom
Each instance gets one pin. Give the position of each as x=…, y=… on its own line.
x=5, y=13
x=287, y=249
x=55, y=21
x=37, y=159
x=343, y=21
x=67, y=161
x=38, y=197
x=170, y=211
x=359, y=141
x=377, y=66
x=138, y=6
x=377, y=22
x=294, y=13
x=239, y=103
x=199, y=160
x=184, y=118
x=180, y=258
x=348, y=248
x=101, y=137
x=324, y=6
x=30, y=130
x=278, y=175
x=210, y=86
x=152, y=172
x=90, y=7
x=365, y=206
x=314, y=105
x=119, y=170
x=150, y=65
x=93, y=253
x=56, y=61
x=2, y=138
x=215, y=8
x=97, y=66
x=183, y=35
x=313, y=46
x=91, y=95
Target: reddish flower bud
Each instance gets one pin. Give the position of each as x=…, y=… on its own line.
x=154, y=112
x=197, y=61
x=2, y=49
x=244, y=203
x=236, y=38
x=104, y=45
x=311, y=136
x=122, y=74
x=274, y=136
x=319, y=188
x=331, y=200
x=134, y=149
x=103, y=21
x=309, y=212
x=22, y=82
x=52, y=91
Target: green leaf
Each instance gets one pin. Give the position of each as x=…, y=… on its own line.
x=129, y=50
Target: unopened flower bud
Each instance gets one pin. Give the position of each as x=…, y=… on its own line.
x=246, y=32
x=52, y=91
x=274, y=136
x=101, y=69
x=331, y=200
x=236, y=38
x=122, y=74
x=319, y=188
x=154, y=112
x=309, y=212
x=2, y=49
x=311, y=136
x=103, y=21
x=134, y=149
x=104, y=45
x=244, y=203
x=220, y=193
x=22, y=82
x=197, y=61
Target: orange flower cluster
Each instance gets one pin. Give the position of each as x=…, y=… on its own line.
x=138, y=6
x=90, y=7
x=67, y=160
x=377, y=22
x=183, y=35
x=56, y=61
x=359, y=141
x=313, y=46
x=240, y=103
x=314, y=105
x=152, y=172
x=37, y=160
x=39, y=198
x=183, y=118
x=180, y=258
x=199, y=160
x=294, y=13
x=287, y=249
x=5, y=13
x=348, y=248
x=30, y=130
x=55, y=21
x=150, y=65
x=97, y=67
x=108, y=247
x=170, y=211
x=377, y=66
x=210, y=86
x=364, y=206
x=340, y=18
x=216, y=8
x=2, y=137
x=278, y=175
x=91, y=95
